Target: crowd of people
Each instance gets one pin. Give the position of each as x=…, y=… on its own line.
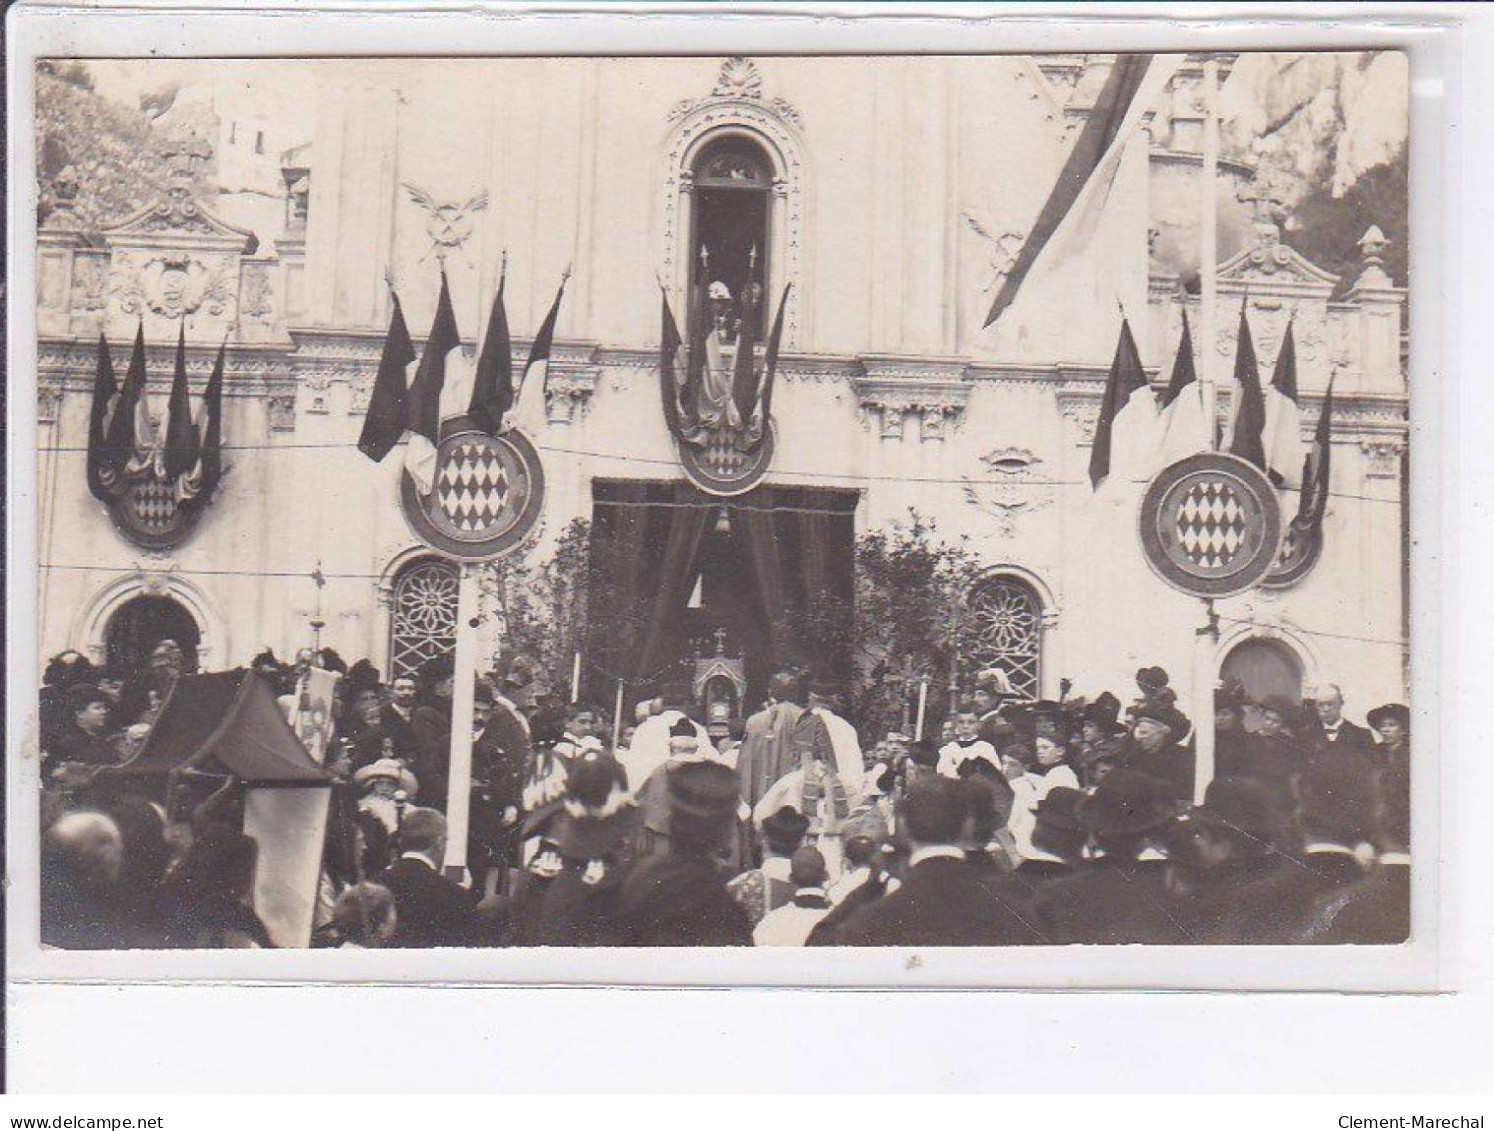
x=1021, y=823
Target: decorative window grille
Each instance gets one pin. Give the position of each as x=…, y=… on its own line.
x=425, y=615
x=1008, y=632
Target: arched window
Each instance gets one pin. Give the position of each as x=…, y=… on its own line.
x=1008, y=631
x=137, y=626
x=733, y=190
x=423, y=625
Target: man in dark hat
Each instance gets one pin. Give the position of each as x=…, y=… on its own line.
x=1231, y=741
x=942, y=900
x=431, y=722
x=1273, y=754
x=1336, y=809
x=763, y=889
x=500, y=763
x=1121, y=896
x=679, y=897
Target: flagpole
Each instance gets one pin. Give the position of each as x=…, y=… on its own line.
x=1206, y=642
x=459, y=777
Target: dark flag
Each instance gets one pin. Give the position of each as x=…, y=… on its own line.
x=180, y=454
x=104, y=390
x=121, y=437
x=529, y=411
x=670, y=384
x=493, y=383
x=423, y=415
x=1091, y=164
x=1312, y=503
x=384, y=423
x=1126, y=377
x=211, y=458
x=699, y=327
x=1246, y=437
x=1183, y=373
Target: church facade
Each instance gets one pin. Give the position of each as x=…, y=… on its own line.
x=888, y=195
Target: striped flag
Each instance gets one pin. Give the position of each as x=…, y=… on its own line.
x=1283, y=432
x=129, y=442
x=1068, y=219
x=424, y=405
x=1125, y=418
x=1312, y=503
x=211, y=448
x=528, y=413
x=1185, y=431
x=671, y=382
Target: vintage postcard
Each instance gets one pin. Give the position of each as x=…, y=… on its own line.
x=747, y=501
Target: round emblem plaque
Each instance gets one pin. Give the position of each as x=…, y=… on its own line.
x=1211, y=525
x=1300, y=549
x=487, y=494
x=719, y=467
x=148, y=513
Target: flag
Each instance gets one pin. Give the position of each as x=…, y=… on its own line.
x=493, y=383
x=1312, y=503
x=384, y=422
x=1078, y=199
x=759, y=426
x=423, y=412
x=122, y=440
x=1185, y=432
x=699, y=328
x=1126, y=377
x=744, y=368
x=180, y=453
x=1245, y=438
x=1283, y=433
x=210, y=459
x=670, y=381
x=529, y=407
x=104, y=390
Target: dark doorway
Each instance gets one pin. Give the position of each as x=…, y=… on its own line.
x=141, y=623
x=678, y=575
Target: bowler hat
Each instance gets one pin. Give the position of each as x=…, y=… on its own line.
x=785, y=827
x=81, y=695
x=707, y=790
x=1241, y=811
x=1152, y=678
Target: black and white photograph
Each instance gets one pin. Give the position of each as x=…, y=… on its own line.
x=723, y=501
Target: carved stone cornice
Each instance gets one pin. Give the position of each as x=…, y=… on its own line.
x=936, y=389
x=249, y=370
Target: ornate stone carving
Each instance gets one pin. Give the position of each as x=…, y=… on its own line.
x=48, y=400
x=257, y=300
x=282, y=411
x=1002, y=248
x=176, y=216
x=1382, y=456
x=173, y=285
x=448, y=225
x=1082, y=406
x=897, y=386
x=567, y=393
x=90, y=282
x=1012, y=493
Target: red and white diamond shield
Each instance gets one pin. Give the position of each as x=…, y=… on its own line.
x=1211, y=525
x=486, y=497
